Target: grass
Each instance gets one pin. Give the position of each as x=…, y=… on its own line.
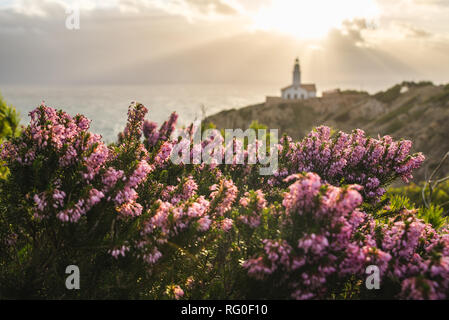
x=442, y=97
x=398, y=111
x=343, y=117
x=394, y=126
x=391, y=94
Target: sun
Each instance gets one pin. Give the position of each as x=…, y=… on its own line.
x=311, y=18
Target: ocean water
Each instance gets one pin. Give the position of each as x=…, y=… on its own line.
x=107, y=106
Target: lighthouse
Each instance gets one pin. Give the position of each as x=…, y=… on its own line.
x=298, y=91
x=297, y=74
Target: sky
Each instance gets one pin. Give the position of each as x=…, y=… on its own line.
x=364, y=43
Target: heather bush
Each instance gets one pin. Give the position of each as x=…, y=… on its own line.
x=342, y=158
x=139, y=226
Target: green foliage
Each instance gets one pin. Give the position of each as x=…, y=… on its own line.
x=351, y=92
x=9, y=120
x=344, y=116
x=9, y=126
x=392, y=93
x=393, y=114
x=433, y=215
x=255, y=125
x=410, y=196
x=389, y=95
x=413, y=191
x=442, y=97
x=37, y=243
x=209, y=125
x=399, y=202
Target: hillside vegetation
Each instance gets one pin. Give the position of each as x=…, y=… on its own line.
x=415, y=111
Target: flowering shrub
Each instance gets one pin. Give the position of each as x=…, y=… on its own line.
x=344, y=158
x=140, y=226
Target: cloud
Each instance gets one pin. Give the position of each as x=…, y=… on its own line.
x=354, y=28
x=190, y=9
x=437, y=3
x=37, y=48
x=131, y=41
x=414, y=32
x=212, y=6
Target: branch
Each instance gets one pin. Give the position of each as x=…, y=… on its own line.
x=429, y=181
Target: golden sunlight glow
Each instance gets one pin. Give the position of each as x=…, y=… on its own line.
x=311, y=18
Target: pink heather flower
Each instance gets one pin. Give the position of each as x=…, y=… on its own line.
x=339, y=157
x=302, y=193
x=332, y=213
x=58, y=197
x=126, y=198
x=82, y=122
x=153, y=257
x=277, y=251
x=253, y=203
x=148, y=129
x=136, y=114
x=69, y=157
x=244, y=201
x=189, y=188
x=223, y=195
x=257, y=268
x=110, y=178
x=420, y=289
x=139, y=174
x=126, y=195
x=260, y=200
x=204, y=223
x=163, y=155
x=171, y=219
x=251, y=220
x=130, y=209
x=168, y=127
x=40, y=202
x=178, y=292
x=95, y=197
x=119, y=251
x=314, y=244
x=57, y=133
x=226, y=224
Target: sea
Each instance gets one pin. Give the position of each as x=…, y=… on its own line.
x=107, y=105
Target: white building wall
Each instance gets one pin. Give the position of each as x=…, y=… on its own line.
x=295, y=93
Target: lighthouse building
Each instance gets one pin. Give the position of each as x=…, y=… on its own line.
x=298, y=91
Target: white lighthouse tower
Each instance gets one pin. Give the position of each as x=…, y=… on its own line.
x=297, y=74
